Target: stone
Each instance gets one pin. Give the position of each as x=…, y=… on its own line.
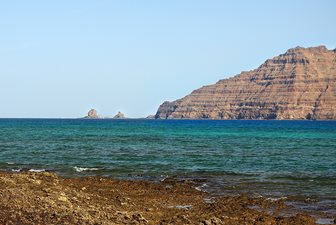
x=299, y=84
x=92, y=114
x=62, y=197
x=119, y=115
x=150, y=117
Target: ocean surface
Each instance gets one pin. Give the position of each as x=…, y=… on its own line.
x=295, y=160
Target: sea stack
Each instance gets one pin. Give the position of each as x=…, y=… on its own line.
x=119, y=115
x=92, y=114
x=299, y=84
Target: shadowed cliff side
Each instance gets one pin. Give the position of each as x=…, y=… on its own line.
x=299, y=84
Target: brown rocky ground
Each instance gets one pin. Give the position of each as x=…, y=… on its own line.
x=45, y=198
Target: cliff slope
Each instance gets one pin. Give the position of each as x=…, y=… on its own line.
x=299, y=84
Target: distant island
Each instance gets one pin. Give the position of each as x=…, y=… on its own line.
x=92, y=114
x=299, y=84
x=119, y=115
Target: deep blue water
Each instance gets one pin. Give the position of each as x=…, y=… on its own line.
x=270, y=158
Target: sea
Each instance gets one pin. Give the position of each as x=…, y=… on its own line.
x=290, y=160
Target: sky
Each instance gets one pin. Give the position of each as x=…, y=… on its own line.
x=58, y=59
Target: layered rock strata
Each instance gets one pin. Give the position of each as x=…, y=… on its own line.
x=299, y=84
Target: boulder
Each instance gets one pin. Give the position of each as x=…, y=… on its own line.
x=92, y=114
x=119, y=115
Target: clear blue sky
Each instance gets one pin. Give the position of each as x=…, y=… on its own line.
x=61, y=58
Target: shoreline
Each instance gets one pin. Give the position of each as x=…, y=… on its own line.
x=44, y=198
x=157, y=119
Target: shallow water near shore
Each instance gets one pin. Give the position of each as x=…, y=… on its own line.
x=276, y=159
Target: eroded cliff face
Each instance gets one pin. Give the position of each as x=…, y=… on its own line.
x=300, y=84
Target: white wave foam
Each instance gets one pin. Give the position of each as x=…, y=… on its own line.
x=81, y=169
x=181, y=206
x=164, y=178
x=276, y=199
x=37, y=170
x=16, y=170
x=325, y=221
x=201, y=188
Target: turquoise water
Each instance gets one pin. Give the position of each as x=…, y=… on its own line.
x=268, y=158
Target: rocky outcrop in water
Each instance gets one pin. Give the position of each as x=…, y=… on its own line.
x=119, y=115
x=92, y=114
x=150, y=117
x=299, y=84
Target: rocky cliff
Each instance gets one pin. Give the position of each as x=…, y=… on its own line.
x=299, y=84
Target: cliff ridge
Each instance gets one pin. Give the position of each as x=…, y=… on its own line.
x=299, y=84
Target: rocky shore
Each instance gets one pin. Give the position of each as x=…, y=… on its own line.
x=45, y=198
